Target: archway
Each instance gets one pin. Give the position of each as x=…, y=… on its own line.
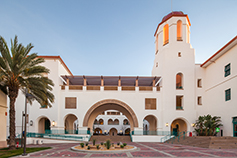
x=150, y=125
x=69, y=124
x=127, y=131
x=109, y=104
x=113, y=132
x=177, y=126
x=97, y=131
x=44, y=125
x=126, y=122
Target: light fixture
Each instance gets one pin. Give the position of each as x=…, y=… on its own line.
x=166, y=124
x=53, y=123
x=121, y=131
x=31, y=123
x=192, y=124
x=105, y=130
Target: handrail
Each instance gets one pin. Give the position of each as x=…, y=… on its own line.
x=55, y=136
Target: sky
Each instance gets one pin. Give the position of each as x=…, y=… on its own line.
x=113, y=37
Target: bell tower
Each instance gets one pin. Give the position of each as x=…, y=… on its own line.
x=175, y=63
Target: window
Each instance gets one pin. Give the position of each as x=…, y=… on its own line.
x=179, y=54
x=150, y=103
x=227, y=94
x=199, y=83
x=166, y=34
x=179, y=30
x=227, y=70
x=70, y=102
x=101, y=121
x=156, y=64
x=179, y=102
x=179, y=78
x=199, y=100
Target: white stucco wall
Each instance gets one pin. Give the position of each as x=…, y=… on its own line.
x=3, y=118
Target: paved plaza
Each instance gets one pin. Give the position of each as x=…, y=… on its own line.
x=144, y=150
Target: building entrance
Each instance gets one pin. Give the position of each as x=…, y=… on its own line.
x=234, y=127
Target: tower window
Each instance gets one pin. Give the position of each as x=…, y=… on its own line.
x=227, y=70
x=179, y=78
x=199, y=83
x=179, y=30
x=227, y=94
x=199, y=100
x=179, y=54
x=166, y=34
x=156, y=64
x=179, y=102
x=188, y=34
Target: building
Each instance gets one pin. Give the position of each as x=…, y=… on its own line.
x=111, y=122
x=3, y=118
x=170, y=100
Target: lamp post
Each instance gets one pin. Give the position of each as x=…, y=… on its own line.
x=27, y=95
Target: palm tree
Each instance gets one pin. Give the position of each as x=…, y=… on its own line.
x=20, y=70
x=206, y=125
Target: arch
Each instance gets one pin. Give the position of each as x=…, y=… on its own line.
x=152, y=120
x=109, y=104
x=113, y=132
x=179, y=81
x=166, y=34
x=178, y=125
x=44, y=125
x=127, y=131
x=69, y=124
x=96, y=122
x=110, y=122
x=101, y=121
x=116, y=122
x=179, y=30
x=98, y=131
x=126, y=122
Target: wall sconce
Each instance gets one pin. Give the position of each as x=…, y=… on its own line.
x=166, y=124
x=53, y=123
x=31, y=123
x=105, y=130
x=121, y=131
x=192, y=124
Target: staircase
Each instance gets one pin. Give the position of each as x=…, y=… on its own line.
x=102, y=138
x=207, y=142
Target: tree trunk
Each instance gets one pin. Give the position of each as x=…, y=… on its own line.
x=13, y=93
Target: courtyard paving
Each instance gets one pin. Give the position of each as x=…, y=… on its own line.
x=144, y=150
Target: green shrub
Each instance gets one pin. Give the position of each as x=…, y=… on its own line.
x=88, y=147
x=94, y=141
x=97, y=147
x=112, y=144
x=118, y=143
x=86, y=144
x=121, y=146
x=104, y=144
x=124, y=144
x=108, y=144
x=82, y=145
x=101, y=143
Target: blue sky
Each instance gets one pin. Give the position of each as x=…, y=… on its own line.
x=113, y=37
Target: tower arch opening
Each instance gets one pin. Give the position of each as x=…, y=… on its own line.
x=166, y=34
x=179, y=30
